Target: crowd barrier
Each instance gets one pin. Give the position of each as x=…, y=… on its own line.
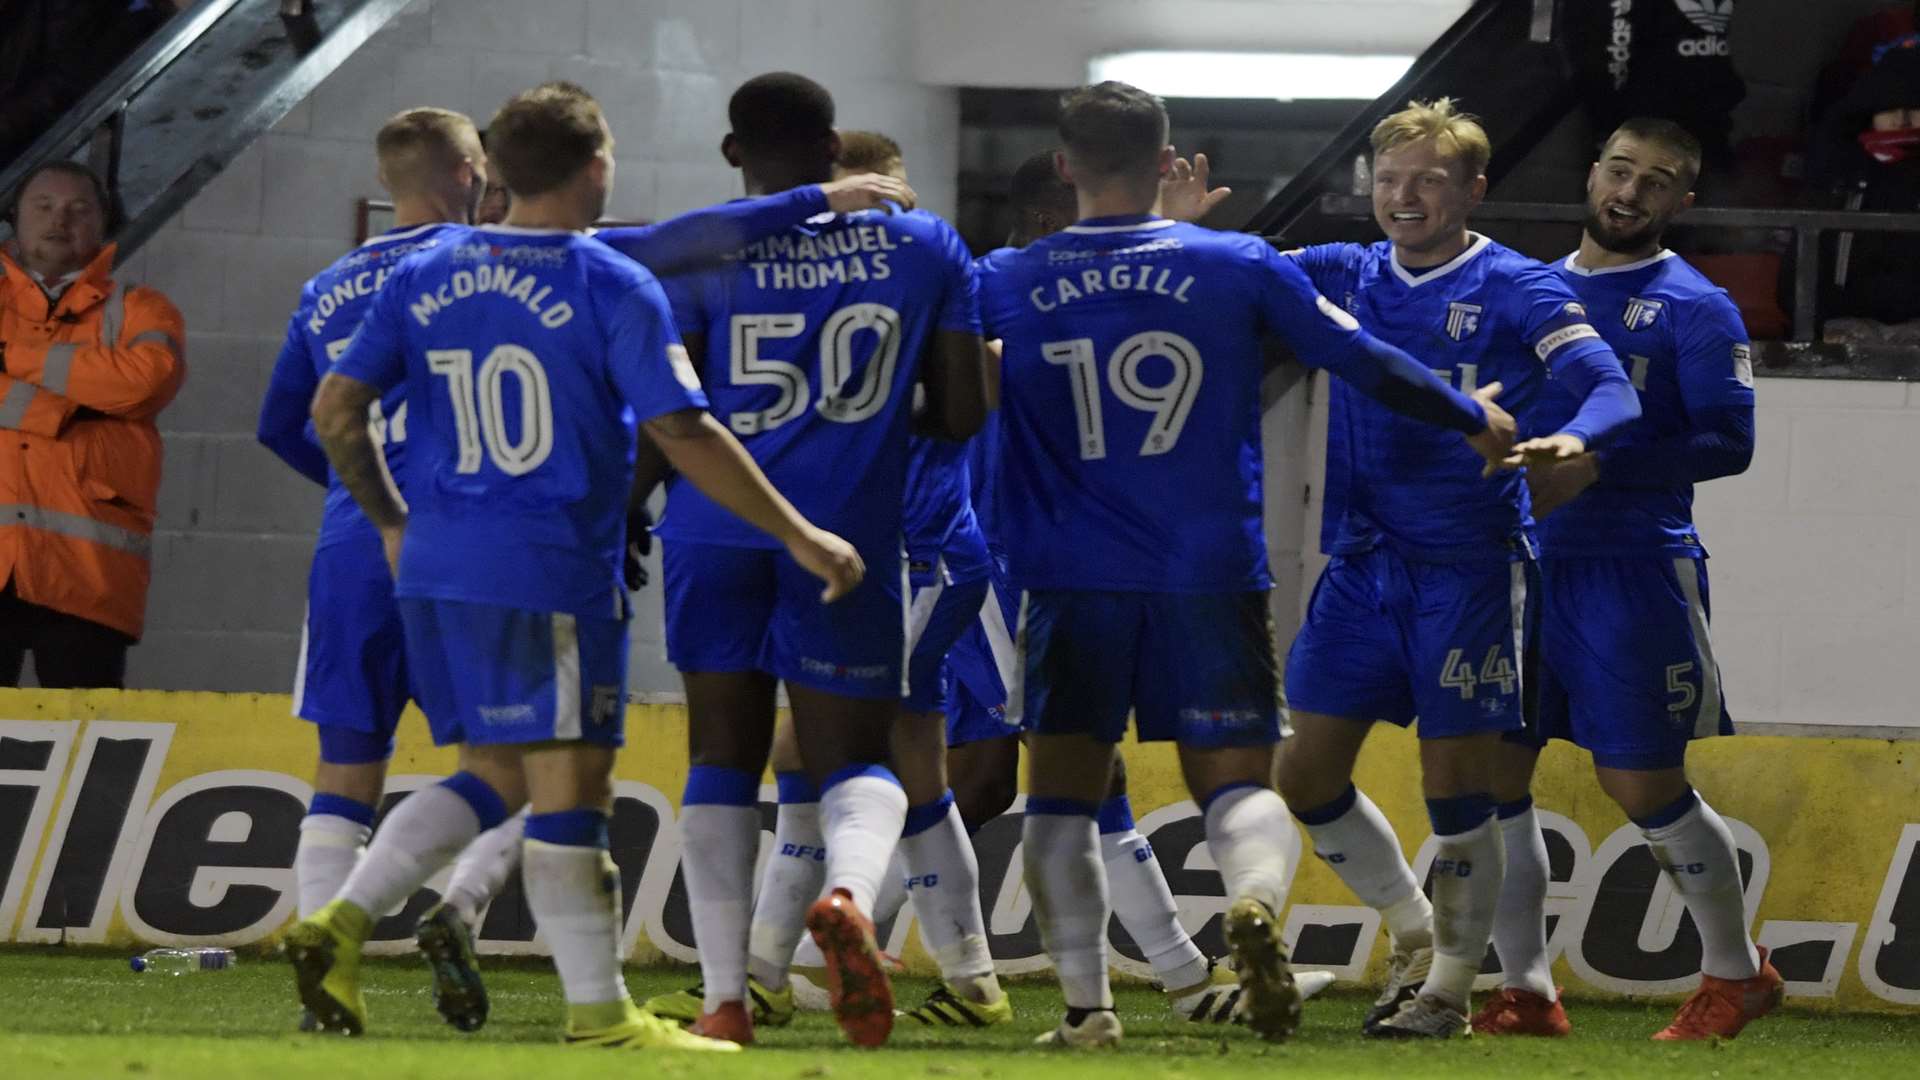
x=143, y=817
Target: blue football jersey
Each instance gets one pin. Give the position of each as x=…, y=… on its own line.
x=813, y=339
x=1130, y=427
x=1488, y=315
x=1687, y=353
x=332, y=305
x=529, y=358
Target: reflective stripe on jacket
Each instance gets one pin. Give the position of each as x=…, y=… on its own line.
x=84, y=378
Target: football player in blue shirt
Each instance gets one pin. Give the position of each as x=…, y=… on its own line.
x=1626, y=665
x=352, y=677
x=811, y=344
x=531, y=354
x=1421, y=610
x=948, y=568
x=1130, y=508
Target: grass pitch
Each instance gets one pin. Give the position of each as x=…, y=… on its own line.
x=65, y=1014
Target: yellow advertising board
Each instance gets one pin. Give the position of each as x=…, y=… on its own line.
x=146, y=817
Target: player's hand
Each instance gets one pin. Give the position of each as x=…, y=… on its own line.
x=1554, y=484
x=830, y=559
x=1183, y=192
x=1545, y=450
x=639, y=546
x=868, y=191
x=1496, y=442
x=390, y=539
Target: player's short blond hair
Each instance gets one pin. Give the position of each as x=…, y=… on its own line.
x=1455, y=134
x=414, y=146
x=868, y=152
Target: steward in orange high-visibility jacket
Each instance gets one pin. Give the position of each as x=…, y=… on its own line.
x=86, y=364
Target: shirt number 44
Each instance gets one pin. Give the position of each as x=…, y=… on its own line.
x=1495, y=670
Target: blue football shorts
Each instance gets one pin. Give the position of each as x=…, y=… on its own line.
x=351, y=679
x=489, y=675
x=755, y=609
x=979, y=669
x=938, y=614
x=1195, y=668
x=1626, y=662
x=1394, y=639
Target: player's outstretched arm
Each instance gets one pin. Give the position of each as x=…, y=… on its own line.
x=711, y=459
x=340, y=420
x=959, y=386
x=701, y=236
x=1608, y=403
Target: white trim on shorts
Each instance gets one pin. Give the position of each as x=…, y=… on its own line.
x=1017, y=685
x=566, y=676
x=1707, y=722
x=300, y=665
x=1517, y=614
x=906, y=627
x=920, y=610
x=993, y=621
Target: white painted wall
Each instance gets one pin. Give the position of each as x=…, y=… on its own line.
x=1815, y=564
x=236, y=526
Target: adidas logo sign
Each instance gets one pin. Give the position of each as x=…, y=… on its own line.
x=1706, y=46
x=1713, y=16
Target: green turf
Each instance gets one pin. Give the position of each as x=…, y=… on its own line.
x=86, y=1015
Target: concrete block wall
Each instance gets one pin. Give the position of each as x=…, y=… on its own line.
x=1815, y=566
x=231, y=554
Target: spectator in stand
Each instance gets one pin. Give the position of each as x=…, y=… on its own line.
x=53, y=51
x=1867, y=157
x=86, y=364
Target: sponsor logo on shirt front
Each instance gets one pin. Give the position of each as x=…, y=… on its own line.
x=1462, y=320
x=1641, y=313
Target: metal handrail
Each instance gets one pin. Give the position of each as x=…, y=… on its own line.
x=1807, y=227
x=117, y=87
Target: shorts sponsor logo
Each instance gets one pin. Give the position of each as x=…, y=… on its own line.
x=860, y=672
x=1222, y=718
x=506, y=714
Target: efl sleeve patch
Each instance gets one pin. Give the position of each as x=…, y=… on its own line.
x=1562, y=337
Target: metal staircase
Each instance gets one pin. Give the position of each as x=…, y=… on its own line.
x=176, y=112
x=1502, y=56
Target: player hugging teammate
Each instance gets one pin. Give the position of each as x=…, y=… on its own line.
x=805, y=376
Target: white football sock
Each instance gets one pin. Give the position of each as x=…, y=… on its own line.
x=1246, y=831
x=1698, y=855
x=794, y=875
x=718, y=844
x=422, y=834
x=863, y=815
x=1463, y=907
x=329, y=846
x=1060, y=855
x=946, y=899
x=1145, y=907
x=574, y=895
x=892, y=898
x=1520, y=919
x=1360, y=847
x=483, y=868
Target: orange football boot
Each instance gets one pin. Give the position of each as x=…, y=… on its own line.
x=730, y=1022
x=857, y=985
x=1723, y=1006
x=1513, y=1011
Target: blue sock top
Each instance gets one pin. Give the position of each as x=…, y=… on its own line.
x=927, y=815
x=718, y=785
x=342, y=807
x=1330, y=812
x=1116, y=815
x=571, y=828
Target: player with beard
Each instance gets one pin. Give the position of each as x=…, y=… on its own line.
x=1627, y=669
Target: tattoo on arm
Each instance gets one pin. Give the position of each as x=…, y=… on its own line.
x=340, y=420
